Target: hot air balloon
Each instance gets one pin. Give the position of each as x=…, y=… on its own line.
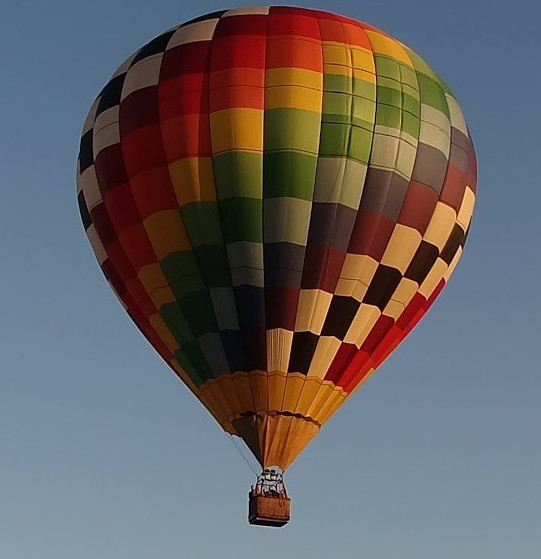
x=276, y=195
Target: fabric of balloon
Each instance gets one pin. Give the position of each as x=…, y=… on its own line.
x=276, y=195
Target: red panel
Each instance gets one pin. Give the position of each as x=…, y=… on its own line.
x=303, y=26
x=371, y=235
x=191, y=58
x=351, y=372
x=454, y=185
x=322, y=267
x=250, y=24
x=343, y=357
x=248, y=97
x=409, y=312
x=103, y=225
x=418, y=207
x=121, y=208
x=143, y=149
x=294, y=53
x=110, y=169
x=135, y=242
x=139, y=109
x=175, y=101
x=187, y=136
x=378, y=332
x=153, y=191
x=242, y=51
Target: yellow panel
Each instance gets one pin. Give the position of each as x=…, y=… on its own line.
x=359, y=266
x=434, y=277
x=312, y=310
x=244, y=391
x=212, y=406
x=402, y=247
x=294, y=384
x=237, y=129
x=364, y=75
x=152, y=277
x=228, y=389
x=336, y=53
x=218, y=396
x=163, y=332
x=393, y=309
x=294, y=76
x=161, y=296
x=440, y=226
x=453, y=264
x=385, y=45
x=308, y=393
x=331, y=405
x=326, y=349
x=278, y=349
x=337, y=69
x=322, y=395
x=193, y=180
x=277, y=384
x=363, y=60
x=466, y=208
x=166, y=232
x=405, y=291
x=366, y=317
x=292, y=97
x=259, y=382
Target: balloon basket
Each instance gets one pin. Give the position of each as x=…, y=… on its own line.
x=268, y=503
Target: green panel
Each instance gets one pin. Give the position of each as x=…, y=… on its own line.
x=238, y=173
x=389, y=96
x=292, y=129
x=242, y=219
x=411, y=124
x=387, y=67
x=360, y=144
x=411, y=105
x=176, y=322
x=344, y=84
x=214, y=265
x=202, y=222
x=199, y=312
x=334, y=139
x=289, y=173
x=182, y=265
x=387, y=115
x=193, y=353
x=432, y=94
x=408, y=76
x=336, y=107
x=364, y=112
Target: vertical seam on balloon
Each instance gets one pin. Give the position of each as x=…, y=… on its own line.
x=192, y=248
x=128, y=259
x=208, y=69
x=361, y=381
x=361, y=27
x=316, y=18
x=220, y=215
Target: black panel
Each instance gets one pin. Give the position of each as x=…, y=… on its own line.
x=83, y=210
x=110, y=95
x=340, y=316
x=86, y=153
x=302, y=351
x=422, y=262
x=382, y=286
x=455, y=240
x=212, y=15
x=156, y=46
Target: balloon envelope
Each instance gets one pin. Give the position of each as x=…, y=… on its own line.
x=277, y=196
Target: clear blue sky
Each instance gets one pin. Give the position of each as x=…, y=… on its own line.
x=104, y=454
